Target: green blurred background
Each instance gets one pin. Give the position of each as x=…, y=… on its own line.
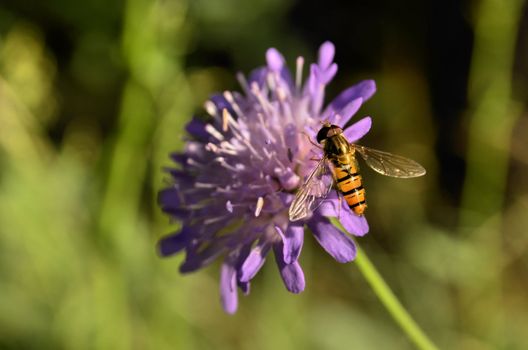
x=94, y=95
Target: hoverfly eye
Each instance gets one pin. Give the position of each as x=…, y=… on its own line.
x=322, y=134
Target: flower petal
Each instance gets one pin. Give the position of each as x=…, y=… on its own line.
x=287, y=178
x=274, y=59
x=244, y=287
x=292, y=241
x=258, y=76
x=179, y=158
x=196, y=128
x=313, y=80
x=326, y=54
x=254, y=261
x=329, y=74
x=329, y=207
x=228, y=292
x=173, y=243
x=335, y=242
x=194, y=261
x=291, y=137
x=222, y=103
x=169, y=199
x=364, y=89
x=320, y=77
x=357, y=130
x=353, y=224
x=292, y=274
x=343, y=116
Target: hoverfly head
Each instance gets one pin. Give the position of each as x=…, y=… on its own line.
x=328, y=130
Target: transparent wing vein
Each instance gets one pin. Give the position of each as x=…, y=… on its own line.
x=390, y=164
x=311, y=193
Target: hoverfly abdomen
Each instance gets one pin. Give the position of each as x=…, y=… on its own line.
x=349, y=183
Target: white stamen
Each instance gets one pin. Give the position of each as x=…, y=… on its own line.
x=229, y=97
x=228, y=151
x=243, y=82
x=277, y=160
x=204, y=185
x=224, y=190
x=299, y=72
x=213, y=220
x=266, y=106
x=210, y=108
x=194, y=147
x=281, y=94
x=229, y=206
x=196, y=206
x=252, y=149
x=267, y=153
x=228, y=148
x=227, y=145
x=260, y=204
x=262, y=120
x=193, y=162
x=222, y=162
x=271, y=81
x=213, y=132
x=211, y=147
x=261, y=186
x=246, y=142
x=269, y=137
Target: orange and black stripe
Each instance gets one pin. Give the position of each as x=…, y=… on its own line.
x=349, y=183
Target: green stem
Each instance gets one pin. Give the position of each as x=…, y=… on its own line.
x=391, y=303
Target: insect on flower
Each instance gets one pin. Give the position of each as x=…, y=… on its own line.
x=233, y=185
x=345, y=172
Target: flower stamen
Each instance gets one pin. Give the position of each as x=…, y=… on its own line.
x=225, y=120
x=260, y=205
x=213, y=132
x=231, y=99
x=298, y=73
x=210, y=108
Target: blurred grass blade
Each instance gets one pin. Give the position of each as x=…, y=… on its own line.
x=493, y=115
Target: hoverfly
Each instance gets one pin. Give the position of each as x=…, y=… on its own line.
x=345, y=172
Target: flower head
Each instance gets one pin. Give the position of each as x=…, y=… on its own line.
x=240, y=170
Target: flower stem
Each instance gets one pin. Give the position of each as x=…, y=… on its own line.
x=391, y=303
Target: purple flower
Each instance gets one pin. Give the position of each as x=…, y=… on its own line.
x=240, y=170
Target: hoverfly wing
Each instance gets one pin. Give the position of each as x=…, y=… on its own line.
x=312, y=192
x=390, y=164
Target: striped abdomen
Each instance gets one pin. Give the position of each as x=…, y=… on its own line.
x=349, y=183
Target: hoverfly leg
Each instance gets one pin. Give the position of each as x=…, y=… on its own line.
x=309, y=139
x=339, y=198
